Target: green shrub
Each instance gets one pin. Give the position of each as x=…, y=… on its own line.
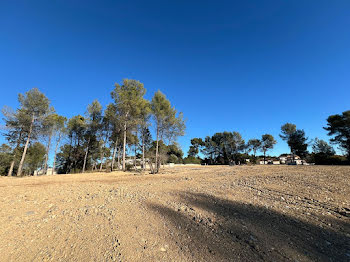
x=324, y=159
x=192, y=160
x=129, y=167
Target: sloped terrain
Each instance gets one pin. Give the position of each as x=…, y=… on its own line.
x=241, y=213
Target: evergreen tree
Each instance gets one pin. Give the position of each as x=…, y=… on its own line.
x=298, y=143
x=16, y=130
x=59, y=129
x=93, y=126
x=128, y=100
x=35, y=106
x=267, y=143
x=322, y=147
x=196, y=144
x=338, y=126
x=169, y=125
x=48, y=130
x=254, y=144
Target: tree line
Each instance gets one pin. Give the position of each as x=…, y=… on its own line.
x=100, y=139
x=119, y=137
x=231, y=148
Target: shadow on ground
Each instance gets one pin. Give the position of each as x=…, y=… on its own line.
x=214, y=229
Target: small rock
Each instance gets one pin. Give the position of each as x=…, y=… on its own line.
x=252, y=237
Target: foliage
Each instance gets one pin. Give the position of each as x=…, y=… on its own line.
x=35, y=158
x=146, y=138
x=175, y=154
x=5, y=158
x=175, y=149
x=70, y=159
x=129, y=104
x=322, y=147
x=169, y=124
x=26, y=123
x=223, y=148
x=166, y=153
x=338, y=126
x=324, y=159
x=298, y=143
x=267, y=143
x=295, y=138
x=324, y=154
x=97, y=138
x=287, y=130
x=192, y=160
x=196, y=145
x=254, y=144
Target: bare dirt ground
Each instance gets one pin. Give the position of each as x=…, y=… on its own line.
x=242, y=213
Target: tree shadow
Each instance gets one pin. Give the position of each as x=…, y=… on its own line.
x=209, y=228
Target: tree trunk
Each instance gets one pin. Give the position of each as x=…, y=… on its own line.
x=113, y=156
x=124, y=146
x=151, y=167
x=92, y=164
x=85, y=157
x=118, y=158
x=264, y=157
x=12, y=166
x=104, y=142
x=15, y=155
x=47, y=154
x=20, y=167
x=143, y=152
x=157, y=166
x=54, y=159
x=135, y=156
x=101, y=164
x=69, y=155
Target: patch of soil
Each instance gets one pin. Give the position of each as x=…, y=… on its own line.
x=221, y=213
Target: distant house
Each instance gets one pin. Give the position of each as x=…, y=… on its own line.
x=269, y=161
x=288, y=160
x=283, y=159
x=262, y=162
x=41, y=172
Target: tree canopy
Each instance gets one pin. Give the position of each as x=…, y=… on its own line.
x=338, y=127
x=132, y=131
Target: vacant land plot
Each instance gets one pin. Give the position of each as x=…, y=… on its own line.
x=242, y=213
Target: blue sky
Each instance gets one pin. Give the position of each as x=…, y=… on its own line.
x=246, y=66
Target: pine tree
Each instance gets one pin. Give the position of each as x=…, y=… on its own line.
x=128, y=100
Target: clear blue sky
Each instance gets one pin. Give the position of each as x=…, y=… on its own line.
x=247, y=66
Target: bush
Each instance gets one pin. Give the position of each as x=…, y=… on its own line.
x=254, y=160
x=192, y=160
x=337, y=160
x=129, y=167
x=324, y=159
x=174, y=159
